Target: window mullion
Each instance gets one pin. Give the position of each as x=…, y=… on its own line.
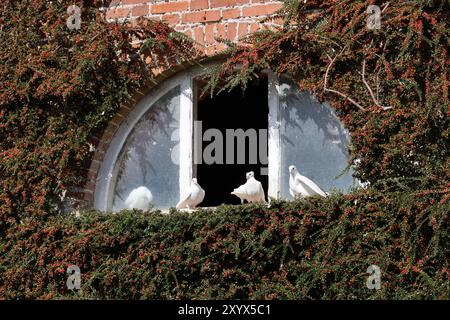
x=186, y=134
x=274, y=145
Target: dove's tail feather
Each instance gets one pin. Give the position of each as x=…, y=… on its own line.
x=238, y=191
x=181, y=205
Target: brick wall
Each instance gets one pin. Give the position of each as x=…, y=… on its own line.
x=203, y=20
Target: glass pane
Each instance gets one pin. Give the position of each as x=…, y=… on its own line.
x=150, y=155
x=313, y=139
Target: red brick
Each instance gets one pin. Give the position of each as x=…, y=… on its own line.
x=221, y=33
x=220, y=47
x=90, y=186
x=99, y=153
x=117, y=13
x=127, y=105
x=231, y=13
x=259, y=10
x=254, y=27
x=109, y=134
x=170, y=7
x=172, y=18
x=139, y=11
x=242, y=29
x=117, y=119
x=278, y=21
x=227, y=3
x=92, y=173
x=232, y=31
x=123, y=111
x=201, y=16
x=193, y=17
x=212, y=15
x=209, y=33
x=188, y=33
x=210, y=50
x=127, y=2
x=199, y=4
x=220, y=30
x=88, y=196
x=199, y=35
x=134, y=23
x=102, y=146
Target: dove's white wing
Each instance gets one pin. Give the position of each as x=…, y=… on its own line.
x=197, y=196
x=296, y=187
x=261, y=193
x=309, y=185
x=292, y=193
x=241, y=192
x=292, y=186
x=242, y=189
x=184, y=201
x=254, y=190
x=139, y=198
x=201, y=196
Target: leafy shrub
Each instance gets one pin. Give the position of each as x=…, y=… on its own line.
x=314, y=249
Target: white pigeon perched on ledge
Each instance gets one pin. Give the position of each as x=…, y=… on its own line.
x=302, y=186
x=139, y=198
x=252, y=190
x=194, y=197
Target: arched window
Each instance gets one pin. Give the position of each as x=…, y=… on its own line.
x=173, y=135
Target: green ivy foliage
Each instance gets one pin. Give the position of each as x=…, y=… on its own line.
x=308, y=249
x=58, y=88
x=389, y=86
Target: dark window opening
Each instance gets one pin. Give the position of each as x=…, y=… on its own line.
x=236, y=109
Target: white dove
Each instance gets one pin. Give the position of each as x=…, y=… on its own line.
x=252, y=190
x=194, y=197
x=139, y=198
x=302, y=186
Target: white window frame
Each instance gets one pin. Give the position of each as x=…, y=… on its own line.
x=106, y=176
x=274, y=140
